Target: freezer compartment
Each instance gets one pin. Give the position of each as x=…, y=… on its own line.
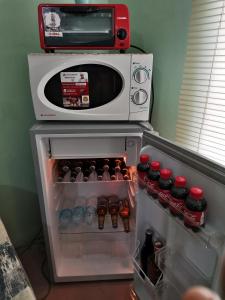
x=69, y=147
x=145, y=289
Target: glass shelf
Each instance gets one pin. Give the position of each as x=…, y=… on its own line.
x=207, y=235
x=83, y=227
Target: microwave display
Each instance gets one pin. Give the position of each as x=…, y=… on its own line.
x=84, y=26
x=84, y=87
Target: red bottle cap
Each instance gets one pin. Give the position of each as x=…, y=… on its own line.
x=158, y=245
x=180, y=181
x=196, y=193
x=144, y=158
x=165, y=174
x=155, y=165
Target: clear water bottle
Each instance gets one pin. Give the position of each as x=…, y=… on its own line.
x=78, y=211
x=65, y=217
x=91, y=207
x=65, y=214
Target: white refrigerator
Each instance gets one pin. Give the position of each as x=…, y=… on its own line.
x=82, y=252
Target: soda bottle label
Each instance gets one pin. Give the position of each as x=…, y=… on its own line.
x=142, y=179
x=194, y=218
x=152, y=187
x=163, y=196
x=176, y=205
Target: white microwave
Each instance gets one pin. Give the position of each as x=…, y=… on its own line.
x=91, y=87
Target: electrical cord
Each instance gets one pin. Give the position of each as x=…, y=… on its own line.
x=45, y=277
x=152, y=101
x=138, y=48
x=25, y=248
x=37, y=239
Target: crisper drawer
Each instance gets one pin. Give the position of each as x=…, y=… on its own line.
x=69, y=147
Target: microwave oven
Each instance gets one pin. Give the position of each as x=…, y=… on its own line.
x=83, y=26
x=91, y=87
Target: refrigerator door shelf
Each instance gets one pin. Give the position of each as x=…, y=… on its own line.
x=145, y=289
x=207, y=236
x=179, y=270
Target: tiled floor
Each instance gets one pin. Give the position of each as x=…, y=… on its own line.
x=104, y=290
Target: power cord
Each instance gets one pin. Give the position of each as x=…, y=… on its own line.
x=37, y=239
x=43, y=264
x=138, y=48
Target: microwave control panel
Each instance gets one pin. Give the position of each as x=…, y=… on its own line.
x=141, y=77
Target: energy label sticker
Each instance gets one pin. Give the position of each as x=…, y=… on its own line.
x=75, y=89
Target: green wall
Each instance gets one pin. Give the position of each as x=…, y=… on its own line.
x=158, y=26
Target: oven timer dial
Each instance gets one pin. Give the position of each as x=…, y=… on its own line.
x=140, y=97
x=141, y=75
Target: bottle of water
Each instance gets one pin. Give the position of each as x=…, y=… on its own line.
x=90, y=212
x=65, y=214
x=78, y=211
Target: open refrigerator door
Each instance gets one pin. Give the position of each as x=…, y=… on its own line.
x=187, y=258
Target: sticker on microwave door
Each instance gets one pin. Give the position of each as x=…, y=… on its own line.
x=52, y=23
x=75, y=89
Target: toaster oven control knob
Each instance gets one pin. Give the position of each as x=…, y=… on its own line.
x=121, y=34
x=140, y=97
x=140, y=75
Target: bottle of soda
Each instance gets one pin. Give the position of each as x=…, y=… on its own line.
x=112, y=174
x=64, y=165
x=153, y=179
x=147, y=251
x=154, y=273
x=86, y=175
x=143, y=168
x=195, y=209
x=113, y=206
x=125, y=174
x=60, y=175
x=93, y=174
x=99, y=174
x=178, y=194
x=102, y=206
x=118, y=174
x=73, y=176
x=106, y=175
x=124, y=212
x=80, y=175
x=165, y=184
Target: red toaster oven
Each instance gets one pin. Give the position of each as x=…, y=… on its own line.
x=84, y=26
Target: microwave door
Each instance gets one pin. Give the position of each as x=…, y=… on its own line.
x=73, y=87
x=188, y=258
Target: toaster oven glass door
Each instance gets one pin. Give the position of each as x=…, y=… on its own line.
x=78, y=26
x=84, y=86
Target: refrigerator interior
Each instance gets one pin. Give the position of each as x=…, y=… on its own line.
x=188, y=258
x=81, y=251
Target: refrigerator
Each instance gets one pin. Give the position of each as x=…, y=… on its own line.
x=82, y=252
